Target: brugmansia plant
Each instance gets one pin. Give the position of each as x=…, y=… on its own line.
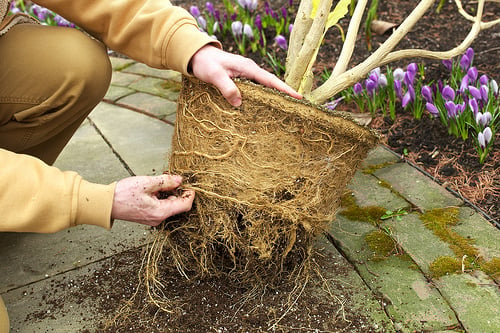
x=314, y=18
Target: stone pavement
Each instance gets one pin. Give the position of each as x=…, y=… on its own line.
x=393, y=260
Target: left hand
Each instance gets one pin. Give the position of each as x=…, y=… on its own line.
x=215, y=66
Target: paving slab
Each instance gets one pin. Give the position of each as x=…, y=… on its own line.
x=119, y=64
x=416, y=187
x=379, y=156
x=411, y=301
x=475, y=299
x=145, y=70
x=142, y=142
x=159, y=107
x=124, y=79
x=372, y=192
x=114, y=93
x=157, y=87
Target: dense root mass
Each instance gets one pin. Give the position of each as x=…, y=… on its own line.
x=268, y=178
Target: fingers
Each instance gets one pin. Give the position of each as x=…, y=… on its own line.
x=174, y=205
x=164, y=183
x=228, y=89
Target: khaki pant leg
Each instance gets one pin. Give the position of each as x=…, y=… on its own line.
x=4, y=318
x=50, y=80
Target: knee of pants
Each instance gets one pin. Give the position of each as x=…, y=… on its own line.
x=4, y=318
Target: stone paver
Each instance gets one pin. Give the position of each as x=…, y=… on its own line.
x=130, y=134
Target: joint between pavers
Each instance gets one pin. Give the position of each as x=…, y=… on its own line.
x=122, y=161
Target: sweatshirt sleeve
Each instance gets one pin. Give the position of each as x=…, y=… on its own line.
x=35, y=197
x=151, y=31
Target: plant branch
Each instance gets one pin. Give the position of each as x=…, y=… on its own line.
x=350, y=40
x=308, y=49
x=301, y=28
x=347, y=79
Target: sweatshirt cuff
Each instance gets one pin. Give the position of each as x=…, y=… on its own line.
x=184, y=43
x=95, y=202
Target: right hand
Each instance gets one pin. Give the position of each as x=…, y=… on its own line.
x=136, y=199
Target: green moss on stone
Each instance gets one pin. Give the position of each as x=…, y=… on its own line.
x=171, y=85
x=370, y=169
x=381, y=243
x=353, y=212
x=492, y=267
x=444, y=265
x=439, y=221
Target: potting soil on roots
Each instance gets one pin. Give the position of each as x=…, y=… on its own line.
x=268, y=178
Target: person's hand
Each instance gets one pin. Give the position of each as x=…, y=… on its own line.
x=217, y=67
x=136, y=199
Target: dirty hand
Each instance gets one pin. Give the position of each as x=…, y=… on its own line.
x=217, y=67
x=136, y=199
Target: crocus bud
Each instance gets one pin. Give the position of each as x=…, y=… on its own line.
x=281, y=41
x=399, y=74
x=358, y=88
x=258, y=22
x=465, y=62
x=433, y=110
x=484, y=92
x=202, y=22
x=464, y=83
x=382, y=80
x=237, y=28
x=494, y=87
x=284, y=12
x=427, y=93
x=406, y=99
x=470, y=54
x=370, y=86
x=194, y=11
x=247, y=30
x=448, y=64
x=412, y=67
x=487, y=135
x=475, y=92
x=448, y=93
x=474, y=106
x=290, y=28
x=472, y=74
x=210, y=8
x=481, y=140
x=451, y=108
x=399, y=89
x=483, y=80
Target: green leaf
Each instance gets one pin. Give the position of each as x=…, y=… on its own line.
x=341, y=10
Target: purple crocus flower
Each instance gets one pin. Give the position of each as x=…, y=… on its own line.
x=475, y=92
x=40, y=12
x=451, y=108
x=370, y=86
x=284, y=12
x=465, y=62
x=460, y=108
x=427, y=93
x=484, y=92
x=464, y=83
x=195, y=11
x=474, y=106
x=448, y=93
x=237, y=28
x=13, y=9
x=399, y=89
x=358, y=89
x=472, y=74
x=62, y=22
x=281, y=41
x=210, y=8
x=483, y=80
x=406, y=99
x=412, y=67
x=258, y=22
x=448, y=64
x=290, y=28
x=267, y=8
x=433, y=110
x=470, y=54
x=247, y=30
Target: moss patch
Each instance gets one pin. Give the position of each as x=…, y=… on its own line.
x=353, y=212
x=381, y=243
x=444, y=265
x=171, y=85
x=439, y=221
x=370, y=169
x=492, y=268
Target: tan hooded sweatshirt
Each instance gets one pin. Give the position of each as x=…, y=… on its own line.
x=36, y=197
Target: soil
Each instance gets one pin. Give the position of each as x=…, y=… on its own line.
x=217, y=305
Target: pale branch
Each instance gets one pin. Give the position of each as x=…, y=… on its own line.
x=334, y=85
x=350, y=40
x=308, y=49
x=383, y=55
x=301, y=28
